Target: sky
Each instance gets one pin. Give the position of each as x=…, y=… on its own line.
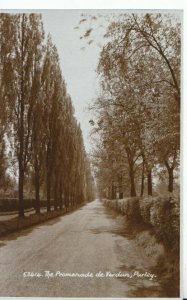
x=78, y=59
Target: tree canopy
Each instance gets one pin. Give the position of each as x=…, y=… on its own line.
x=39, y=128
x=138, y=110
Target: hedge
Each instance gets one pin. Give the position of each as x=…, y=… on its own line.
x=12, y=204
x=161, y=213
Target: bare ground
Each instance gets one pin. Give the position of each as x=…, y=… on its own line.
x=91, y=239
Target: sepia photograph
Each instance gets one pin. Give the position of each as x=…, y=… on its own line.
x=90, y=103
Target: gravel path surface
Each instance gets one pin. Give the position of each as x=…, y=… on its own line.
x=89, y=240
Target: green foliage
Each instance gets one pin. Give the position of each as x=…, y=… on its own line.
x=165, y=220
x=145, y=206
x=161, y=213
x=138, y=111
x=130, y=208
x=45, y=140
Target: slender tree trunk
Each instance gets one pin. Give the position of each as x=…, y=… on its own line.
x=170, y=186
x=149, y=183
x=21, y=181
x=74, y=193
x=48, y=180
x=120, y=181
x=21, y=162
x=110, y=192
x=132, y=181
x=142, y=183
x=71, y=199
x=170, y=174
x=65, y=198
x=60, y=204
x=131, y=172
x=56, y=193
x=48, y=191
x=120, y=195
x=113, y=191
x=21, y=130
x=60, y=193
x=37, y=187
x=75, y=200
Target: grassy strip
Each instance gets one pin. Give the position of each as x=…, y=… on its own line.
x=17, y=223
x=159, y=218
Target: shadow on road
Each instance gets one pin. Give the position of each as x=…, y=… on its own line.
x=2, y=244
x=17, y=234
x=123, y=227
x=24, y=232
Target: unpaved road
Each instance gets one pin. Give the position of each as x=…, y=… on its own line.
x=91, y=239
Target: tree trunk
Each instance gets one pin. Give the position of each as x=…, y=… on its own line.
x=142, y=183
x=48, y=192
x=132, y=181
x=120, y=195
x=67, y=197
x=131, y=172
x=170, y=174
x=149, y=183
x=37, y=187
x=48, y=181
x=21, y=130
x=60, y=193
x=56, y=193
x=113, y=191
x=21, y=181
x=120, y=182
x=170, y=185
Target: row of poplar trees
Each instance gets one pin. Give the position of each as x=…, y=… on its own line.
x=137, y=116
x=43, y=139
